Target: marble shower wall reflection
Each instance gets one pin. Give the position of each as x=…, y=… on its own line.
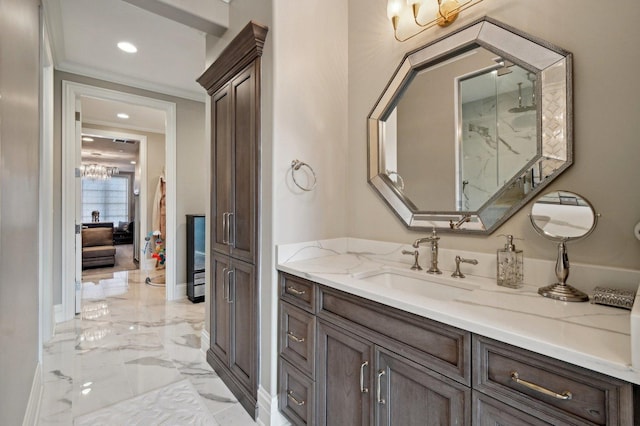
x=498, y=127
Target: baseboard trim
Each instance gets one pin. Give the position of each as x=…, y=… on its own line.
x=205, y=341
x=58, y=313
x=268, y=413
x=181, y=291
x=32, y=413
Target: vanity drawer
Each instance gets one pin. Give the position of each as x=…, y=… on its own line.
x=443, y=348
x=298, y=337
x=571, y=393
x=298, y=291
x=296, y=394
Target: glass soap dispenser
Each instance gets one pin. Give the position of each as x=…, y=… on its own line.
x=510, y=265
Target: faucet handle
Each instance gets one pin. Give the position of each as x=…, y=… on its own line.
x=459, y=260
x=415, y=254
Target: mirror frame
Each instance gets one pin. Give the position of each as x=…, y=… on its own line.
x=533, y=54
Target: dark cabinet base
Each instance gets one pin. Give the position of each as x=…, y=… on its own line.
x=248, y=401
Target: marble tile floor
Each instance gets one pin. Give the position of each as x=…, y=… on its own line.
x=127, y=341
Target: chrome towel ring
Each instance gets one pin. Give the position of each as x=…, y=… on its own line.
x=295, y=166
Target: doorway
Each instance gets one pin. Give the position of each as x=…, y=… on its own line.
x=72, y=93
x=120, y=198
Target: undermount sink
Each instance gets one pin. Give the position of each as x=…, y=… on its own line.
x=415, y=284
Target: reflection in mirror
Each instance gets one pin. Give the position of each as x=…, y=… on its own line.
x=563, y=216
x=498, y=132
x=474, y=124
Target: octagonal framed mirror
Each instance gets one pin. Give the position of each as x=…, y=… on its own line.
x=471, y=127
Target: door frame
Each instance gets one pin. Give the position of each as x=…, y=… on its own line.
x=70, y=92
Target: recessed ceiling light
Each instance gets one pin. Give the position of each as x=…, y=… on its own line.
x=127, y=47
x=123, y=115
x=133, y=162
x=87, y=139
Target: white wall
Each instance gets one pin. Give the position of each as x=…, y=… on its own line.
x=19, y=191
x=606, y=92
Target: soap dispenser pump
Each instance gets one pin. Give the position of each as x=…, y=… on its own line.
x=510, y=265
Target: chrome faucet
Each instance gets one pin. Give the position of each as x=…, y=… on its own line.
x=433, y=241
x=458, y=224
x=459, y=260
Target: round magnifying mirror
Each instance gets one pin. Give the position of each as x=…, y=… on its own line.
x=563, y=216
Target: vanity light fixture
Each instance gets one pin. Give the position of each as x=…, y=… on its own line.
x=444, y=12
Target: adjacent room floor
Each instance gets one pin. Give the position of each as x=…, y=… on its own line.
x=128, y=341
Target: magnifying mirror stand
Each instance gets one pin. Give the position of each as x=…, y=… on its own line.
x=561, y=290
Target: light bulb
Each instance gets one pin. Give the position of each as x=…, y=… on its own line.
x=393, y=8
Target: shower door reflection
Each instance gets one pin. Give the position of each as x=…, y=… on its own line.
x=497, y=128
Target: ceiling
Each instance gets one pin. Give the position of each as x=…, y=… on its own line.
x=106, y=152
x=170, y=36
x=84, y=36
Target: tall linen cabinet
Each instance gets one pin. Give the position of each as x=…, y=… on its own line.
x=233, y=82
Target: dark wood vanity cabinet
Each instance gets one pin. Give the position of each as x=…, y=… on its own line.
x=233, y=82
x=341, y=364
x=345, y=360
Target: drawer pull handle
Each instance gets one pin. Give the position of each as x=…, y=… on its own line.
x=565, y=396
x=362, y=388
x=295, y=291
x=295, y=338
x=380, y=399
x=294, y=399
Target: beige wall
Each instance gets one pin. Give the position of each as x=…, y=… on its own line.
x=19, y=151
x=325, y=66
x=606, y=91
x=191, y=183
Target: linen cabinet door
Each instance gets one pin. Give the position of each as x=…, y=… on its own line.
x=220, y=307
x=242, y=221
x=221, y=184
x=243, y=304
x=407, y=394
x=344, y=377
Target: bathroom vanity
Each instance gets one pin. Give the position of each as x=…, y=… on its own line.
x=365, y=340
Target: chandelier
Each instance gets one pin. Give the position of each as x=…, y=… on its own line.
x=97, y=171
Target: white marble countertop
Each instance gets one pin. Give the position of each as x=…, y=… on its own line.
x=588, y=335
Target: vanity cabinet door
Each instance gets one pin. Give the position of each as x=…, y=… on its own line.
x=406, y=393
x=344, y=377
